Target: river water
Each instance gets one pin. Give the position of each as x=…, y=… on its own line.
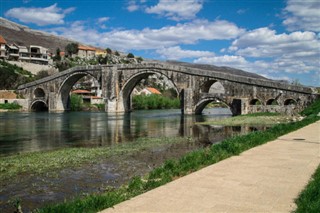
x=30, y=132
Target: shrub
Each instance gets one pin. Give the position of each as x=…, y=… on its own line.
x=10, y=106
x=130, y=55
x=76, y=102
x=155, y=102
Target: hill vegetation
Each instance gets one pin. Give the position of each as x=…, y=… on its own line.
x=11, y=76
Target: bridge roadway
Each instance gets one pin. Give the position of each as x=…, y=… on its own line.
x=266, y=178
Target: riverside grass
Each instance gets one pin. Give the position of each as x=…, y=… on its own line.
x=309, y=198
x=257, y=119
x=38, y=163
x=173, y=169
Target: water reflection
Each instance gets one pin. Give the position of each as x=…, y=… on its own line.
x=26, y=132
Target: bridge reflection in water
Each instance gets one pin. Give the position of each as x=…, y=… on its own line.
x=26, y=132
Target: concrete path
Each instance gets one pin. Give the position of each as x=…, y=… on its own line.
x=264, y=179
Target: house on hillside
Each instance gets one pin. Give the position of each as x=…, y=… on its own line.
x=88, y=97
x=101, y=52
x=3, y=48
x=38, y=54
x=86, y=52
x=13, y=52
x=150, y=91
x=24, y=53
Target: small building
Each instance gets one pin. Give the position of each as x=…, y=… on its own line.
x=38, y=54
x=13, y=52
x=86, y=52
x=24, y=54
x=88, y=97
x=101, y=52
x=150, y=91
x=3, y=48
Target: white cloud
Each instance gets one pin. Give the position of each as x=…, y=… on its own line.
x=278, y=69
x=51, y=15
x=302, y=15
x=188, y=33
x=242, y=11
x=133, y=6
x=176, y=53
x=102, y=20
x=176, y=9
x=264, y=42
x=296, y=52
x=225, y=60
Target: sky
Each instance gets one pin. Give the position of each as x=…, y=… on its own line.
x=278, y=39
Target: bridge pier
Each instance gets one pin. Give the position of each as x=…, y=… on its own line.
x=187, y=104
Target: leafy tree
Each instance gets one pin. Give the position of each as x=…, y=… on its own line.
x=57, y=57
x=139, y=59
x=296, y=82
x=41, y=74
x=117, y=53
x=72, y=48
x=130, y=55
x=109, y=51
x=76, y=102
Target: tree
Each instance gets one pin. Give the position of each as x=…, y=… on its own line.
x=130, y=55
x=71, y=48
x=296, y=82
x=41, y=74
x=109, y=51
x=57, y=57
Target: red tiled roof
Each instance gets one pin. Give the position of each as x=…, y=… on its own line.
x=86, y=48
x=81, y=91
x=2, y=40
x=96, y=97
x=153, y=90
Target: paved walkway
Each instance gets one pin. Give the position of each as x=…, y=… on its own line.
x=264, y=179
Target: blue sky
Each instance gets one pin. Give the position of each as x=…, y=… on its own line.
x=278, y=39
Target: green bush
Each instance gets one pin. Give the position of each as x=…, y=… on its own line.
x=11, y=76
x=76, y=102
x=155, y=102
x=10, y=106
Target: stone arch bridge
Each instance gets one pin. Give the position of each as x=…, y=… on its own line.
x=196, y=88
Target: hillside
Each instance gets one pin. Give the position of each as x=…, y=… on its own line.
x=24, y=36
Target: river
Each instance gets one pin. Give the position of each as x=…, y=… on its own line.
x=30, y=132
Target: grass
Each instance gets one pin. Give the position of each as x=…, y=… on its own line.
x=264, y=118
x=309, y=198
x=10, y=106
x=173, y=169
x=37, y=163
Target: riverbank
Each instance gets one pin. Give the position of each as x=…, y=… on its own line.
x=255, y=119
x=38, y=163
x=174, y=169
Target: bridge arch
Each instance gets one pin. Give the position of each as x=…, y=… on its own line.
x=38, y=105
x=199, y=107
x=39, y=93
x=272, y=101
x=132, y=82
x=213, y=86
x=66, y=86
x=290, y=101
x=255, y=102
